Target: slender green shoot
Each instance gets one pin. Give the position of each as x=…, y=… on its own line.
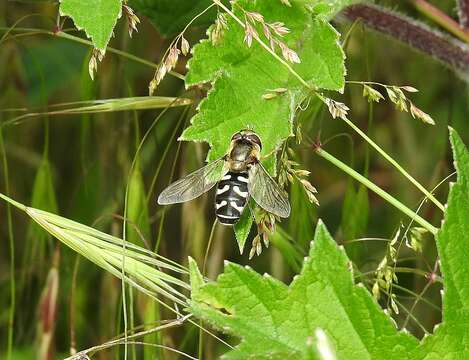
x=120, y=341
x=207, y=251
x=11, y=242
x=64, y=35
x=394, y=163
x=377, y=190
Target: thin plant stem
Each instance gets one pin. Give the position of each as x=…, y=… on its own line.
x=11, y=28
x=79, y=40
x=173, y=170
x=423, y=273
x=376, y=189
x=403, y=289
x=395, y=164
x=123, y=290
x=366, y=239
x=118, y=52
x=349, y=33
x=439, y=17
x=209, y=244
x=119, y=341
x=411, y=222
x=163, y=157
x=420, y=296
x=73, y=342
x=11, y=240
x=419, y=324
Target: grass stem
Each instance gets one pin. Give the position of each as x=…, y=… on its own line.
x=377, y=190
x=11, y=242
x=395, y=164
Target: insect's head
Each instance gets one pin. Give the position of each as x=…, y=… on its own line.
x=248, y=136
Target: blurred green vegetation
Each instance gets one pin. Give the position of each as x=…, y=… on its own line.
x=78, y=165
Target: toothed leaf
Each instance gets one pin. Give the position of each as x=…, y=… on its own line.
x=241, y=75
x=96, y=17
x=277, y=321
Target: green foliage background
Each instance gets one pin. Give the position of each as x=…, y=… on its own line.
x=78, y=165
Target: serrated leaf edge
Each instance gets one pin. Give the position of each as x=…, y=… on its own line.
x=82, y=28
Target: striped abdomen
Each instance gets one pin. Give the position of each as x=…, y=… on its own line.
x=231, y=198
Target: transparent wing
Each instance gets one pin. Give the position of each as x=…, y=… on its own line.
x=194, y=184
x=265, y=191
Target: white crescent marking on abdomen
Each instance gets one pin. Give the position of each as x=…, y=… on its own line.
x=238, y=191
x=243, y=179
x=223, y=189
x=227, y=216
x=221, y=204
x=239, y=208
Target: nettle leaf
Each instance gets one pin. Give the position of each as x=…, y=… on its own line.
x=450, y=340
x=274, y=320
x=240, y=76
x=243, y=227
x=96, y=17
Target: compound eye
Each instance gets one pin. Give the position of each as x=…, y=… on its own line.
x=255, y=139
x=237, y=136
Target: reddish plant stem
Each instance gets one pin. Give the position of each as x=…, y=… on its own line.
x=440, y=18
x=419, y=36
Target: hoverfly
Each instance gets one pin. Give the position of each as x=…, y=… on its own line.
x=238, y=175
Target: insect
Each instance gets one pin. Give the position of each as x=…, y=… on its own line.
x=238, y=175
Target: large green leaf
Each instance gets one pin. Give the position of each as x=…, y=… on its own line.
x=241, y=75
x=274, y=320
x=171, y=16
x=450, y=340
x=96, y=17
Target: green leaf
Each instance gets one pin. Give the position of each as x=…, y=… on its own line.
x=197, y=279
x=171, y=16
x=96, y=17
x=240, y=77
x=243, y=227
x=450, y=339
x=274, y=320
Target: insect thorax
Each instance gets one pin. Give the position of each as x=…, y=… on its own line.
x=240, y=155
x=231, y=198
